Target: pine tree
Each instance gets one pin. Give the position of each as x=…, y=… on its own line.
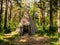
x=5, y=19
x=51, y=17
x=1, y=11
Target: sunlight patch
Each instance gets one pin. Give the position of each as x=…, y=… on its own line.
x=22, y=40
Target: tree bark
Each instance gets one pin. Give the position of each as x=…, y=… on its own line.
x=59, y=21
x=5, y=20
x=51, y=17
x=10, y=13
x=1, y=10
x=10, y=9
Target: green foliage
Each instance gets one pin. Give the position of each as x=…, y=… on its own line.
x=1, y=38
x=35, y=9
x=11, y=27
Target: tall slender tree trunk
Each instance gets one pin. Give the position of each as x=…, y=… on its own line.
x=1, y=10
x=51, y=17
x=10, y=13
x=10, y=9
x=5, y=20
x=59, y=21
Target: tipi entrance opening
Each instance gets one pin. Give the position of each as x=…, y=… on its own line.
x=26, y=29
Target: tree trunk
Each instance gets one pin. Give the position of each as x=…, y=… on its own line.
x=59, y=21
x=10, y=9
x=51, y=17
x=1, y=10
x=10, y=13
x=5, y=21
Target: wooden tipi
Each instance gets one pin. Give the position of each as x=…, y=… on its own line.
x=26, y=25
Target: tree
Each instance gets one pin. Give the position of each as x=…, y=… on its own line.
x=41, y=6
x=19, y=4
x=5, y=20
x=10, y=9
x=51, y=17
x=1, y=11
x=59, y=21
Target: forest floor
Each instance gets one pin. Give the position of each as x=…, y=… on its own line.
x=27, y=40
x=31, y=40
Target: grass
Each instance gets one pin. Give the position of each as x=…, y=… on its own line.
x=6, y=40
x=54, y=41
x=54, y=36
